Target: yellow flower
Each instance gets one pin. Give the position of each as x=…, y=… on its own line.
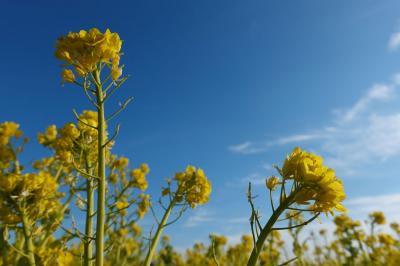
x=145, y=168
x=68, y=76
x=272, y=182
x=89, y=123
x=9, y=130
x=70, y=131
x=193, y=186
x=116, y=72
x=395, y=227
x=121, y=163
x=378, y=217
x=139, y=177
x=85, y=49
x=135, y=229
x=37, y=193
x=316, y=182
x=143, y=205
x=121, y=205
x=386, y=239
x=49, y=136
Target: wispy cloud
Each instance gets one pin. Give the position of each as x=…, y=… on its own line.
x=389, y=203
x=354, y=136
x=378, y=92
x=246, y=147
x=199, y=217
x=394, y=41
x=250, y=147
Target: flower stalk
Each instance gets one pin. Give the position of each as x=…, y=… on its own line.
x=88, y=246
x=156, y=238
x=28, y=239
x=266, y=230
x=101, y=168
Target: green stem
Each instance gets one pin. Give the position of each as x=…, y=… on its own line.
x=19, y=244
x=3, y=246
x=28, y=240
x=101, y=193
x=88, y=247
x=154, y=241
x=255, y=253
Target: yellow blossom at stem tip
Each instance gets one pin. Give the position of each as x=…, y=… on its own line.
x=68, y=76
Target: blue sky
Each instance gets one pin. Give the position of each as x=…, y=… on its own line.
x=230, y=86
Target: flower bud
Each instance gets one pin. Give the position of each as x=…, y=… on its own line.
x=272, y=182
x=68, y=76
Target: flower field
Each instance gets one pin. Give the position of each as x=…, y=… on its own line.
x=38, y=198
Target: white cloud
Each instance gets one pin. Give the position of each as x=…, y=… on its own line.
x=238, y=220
x=357, y=135
x=246, y=147
x=388, y=203
x=295, y=139
x=394, y=41
x=378, y=92
x=199, y=217
x=255, y=179
x=249, y=147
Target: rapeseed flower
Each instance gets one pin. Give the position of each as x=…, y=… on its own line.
x=139, y=177
x=68, y=76
x=272, y=182
x=84, y=50
x=193, y=186
x=315, y=182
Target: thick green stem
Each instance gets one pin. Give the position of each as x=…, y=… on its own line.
x=88, y=246
x=255, y=253
x=154, y=241
x=28, y=240
x=101, y=192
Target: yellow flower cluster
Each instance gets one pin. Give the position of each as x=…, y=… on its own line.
x=69, y=141
x=386, y=239
x=315, y=181
x=120, y=163
x=88, y=123
x=139, y=177
x=143, y=205
x=219, y=240
x=84, y=50
x=121, y=206
x=344, y=224
x=62, y=144
x=48, y=136
x=35, y=193
x=377, y=217
x=193, y=186
x=8, y=130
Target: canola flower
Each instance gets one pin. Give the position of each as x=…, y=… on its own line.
x=86, y=54
x=8, y=131
x=312, y=184
x=193, y=186
x=352, y=242
x=25, y=198
x=315, y=182
x=84, y=50
x=192, y=189
x=272, y=183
